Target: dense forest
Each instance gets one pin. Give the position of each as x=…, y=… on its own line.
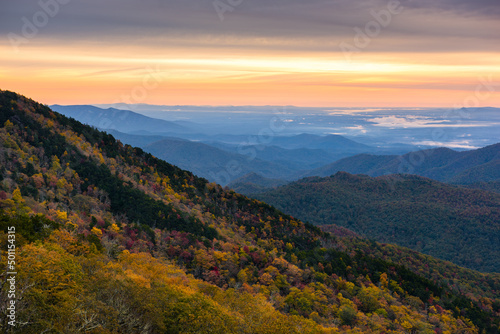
x=110, y=239
x=456, y=224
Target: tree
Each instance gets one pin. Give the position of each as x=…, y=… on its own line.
x=347, y=314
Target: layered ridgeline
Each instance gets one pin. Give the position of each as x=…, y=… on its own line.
x=220, y=158
x=477, y=168
x=456, y=224
x=110, y=239
x=120, y=120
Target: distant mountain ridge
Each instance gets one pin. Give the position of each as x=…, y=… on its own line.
x=222, y=158
x=442, y=164
x=117, y=119
x=212, y=163
x=331, y=143
x=225, y=158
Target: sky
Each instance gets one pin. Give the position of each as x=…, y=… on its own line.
x=318, y=53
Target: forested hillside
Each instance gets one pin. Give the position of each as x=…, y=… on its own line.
x=253, y=183
x=110, y=239
x=452, y=223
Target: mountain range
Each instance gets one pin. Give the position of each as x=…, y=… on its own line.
x=110, y=239
x=475, y=169
x=224, y=158
x=442, y=164
x=286, y=157
x=220, y=158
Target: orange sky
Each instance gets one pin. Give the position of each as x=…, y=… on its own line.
x=233, y=69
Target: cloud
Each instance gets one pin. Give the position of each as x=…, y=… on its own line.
x=463, y=144
x=466, y=7
x=395, y=122
x=315, y=25
x=278, y=51
x=357, y=128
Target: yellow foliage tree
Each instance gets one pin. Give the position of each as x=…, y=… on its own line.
x=97, y=231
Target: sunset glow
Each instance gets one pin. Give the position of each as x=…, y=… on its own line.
x=228, y=65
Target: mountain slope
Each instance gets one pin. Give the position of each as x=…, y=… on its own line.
x=299, y=158
x=373, y=165
x=455, y=224
x=253, y=183
x=136, y=140
x=330, y=143
x=212, y=163
x=207, y=161
x=441, y=164
x=120, y=120
x=110, y=239
x=438, y=270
